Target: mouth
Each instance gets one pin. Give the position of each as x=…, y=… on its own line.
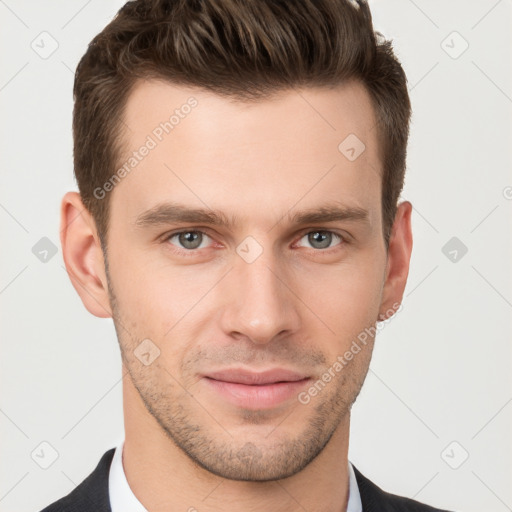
x=261, y=390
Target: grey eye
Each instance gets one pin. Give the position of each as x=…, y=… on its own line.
x=321, y=239
x=189, y=239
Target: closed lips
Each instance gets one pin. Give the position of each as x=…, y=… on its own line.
x=274, y=376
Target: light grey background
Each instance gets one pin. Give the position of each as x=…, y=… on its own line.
x=439, y=386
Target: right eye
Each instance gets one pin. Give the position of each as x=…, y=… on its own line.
x=188, y=240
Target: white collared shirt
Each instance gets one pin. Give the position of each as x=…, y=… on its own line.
x=122, y=498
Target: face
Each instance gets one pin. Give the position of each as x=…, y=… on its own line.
x=245, y=257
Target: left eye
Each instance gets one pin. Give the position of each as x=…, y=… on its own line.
x=321, y=239
x=190, y=239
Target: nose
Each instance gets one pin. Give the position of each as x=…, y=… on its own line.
x=260, y=303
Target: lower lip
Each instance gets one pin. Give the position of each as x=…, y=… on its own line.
x=263, y=396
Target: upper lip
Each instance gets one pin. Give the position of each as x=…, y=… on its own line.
x=240, y=376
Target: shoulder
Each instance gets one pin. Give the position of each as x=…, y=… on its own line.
x=374, y=499
x=92, y=494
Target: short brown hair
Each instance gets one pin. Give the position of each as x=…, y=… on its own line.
x=244, y=49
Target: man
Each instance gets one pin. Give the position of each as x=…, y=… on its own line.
x=239, y=167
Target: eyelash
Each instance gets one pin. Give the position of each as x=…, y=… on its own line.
x=193, y=252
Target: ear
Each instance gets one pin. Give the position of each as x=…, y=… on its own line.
x=83, y=255
x=399, y=256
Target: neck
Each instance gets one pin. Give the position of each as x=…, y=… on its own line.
x=163, y=477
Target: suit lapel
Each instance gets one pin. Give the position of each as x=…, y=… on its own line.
x=92, y=494
x=373, y=498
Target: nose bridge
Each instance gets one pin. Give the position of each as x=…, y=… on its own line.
x=260, y=306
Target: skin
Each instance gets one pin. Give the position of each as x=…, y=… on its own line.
x=296, y=306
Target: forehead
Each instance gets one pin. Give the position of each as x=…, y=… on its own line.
x=297, y=147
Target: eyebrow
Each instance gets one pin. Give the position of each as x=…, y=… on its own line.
x=168, y=213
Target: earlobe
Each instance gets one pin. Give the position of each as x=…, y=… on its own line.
x=83, y=255
x=399, y=256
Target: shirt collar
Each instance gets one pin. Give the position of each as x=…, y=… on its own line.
x=121, y=496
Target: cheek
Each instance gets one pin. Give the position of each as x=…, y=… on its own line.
x=163, y=301
x=144, y=283
x=346, y=298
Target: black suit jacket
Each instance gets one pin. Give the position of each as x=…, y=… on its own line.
x=92, y=495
